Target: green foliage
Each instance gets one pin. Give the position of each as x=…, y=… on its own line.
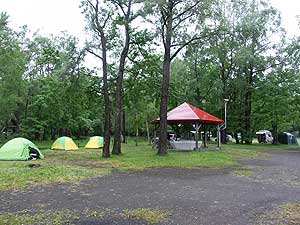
x=12, y=61
x=45, y=91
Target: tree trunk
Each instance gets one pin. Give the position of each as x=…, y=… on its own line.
x=247, y=117
x=275, y=133
x=248, y=107
x=123, y=128
x=78, y=133
x=106, y=147
x=26, y=109
x=53, y=133
x=136, y=136
x=223, y=136
x=16, y=122
x=148, y=132
x=163, y=123
x=163, y=136
x=198, y=94
x=119, y=90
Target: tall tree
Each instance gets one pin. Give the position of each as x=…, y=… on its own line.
x=254, y=30
x=126, y=18
x=100, y=20
x=175, y=20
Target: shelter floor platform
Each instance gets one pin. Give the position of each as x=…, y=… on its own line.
x=185, y=145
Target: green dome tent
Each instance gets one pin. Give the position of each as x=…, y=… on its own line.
x=64, y=143
x=95, y=142
x=19, y=149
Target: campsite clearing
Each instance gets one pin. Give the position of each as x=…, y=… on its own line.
x=65, y=166
x=185, y=196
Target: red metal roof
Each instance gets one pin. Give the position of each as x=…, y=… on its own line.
x=189, y=113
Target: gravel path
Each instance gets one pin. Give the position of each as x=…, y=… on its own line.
x=194, y=196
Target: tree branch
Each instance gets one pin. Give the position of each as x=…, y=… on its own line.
x=119, y=4
x=93, y=53
x=187, y=10
x=268, y=67
x=182, y=20
x=183, y=46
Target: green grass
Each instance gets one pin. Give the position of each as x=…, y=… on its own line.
x=243, y=172
x=19, y=175
x=56, y=217
x=60, y=217
x=150, y=215
x=65, y=166
x=144, y=157
x=47, y=218
x=287, y=214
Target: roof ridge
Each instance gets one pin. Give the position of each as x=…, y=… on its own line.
x=192, y=110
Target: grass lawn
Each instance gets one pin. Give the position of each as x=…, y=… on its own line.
x=64, y=166
x=287, y=214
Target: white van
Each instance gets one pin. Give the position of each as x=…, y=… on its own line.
x=264, y=136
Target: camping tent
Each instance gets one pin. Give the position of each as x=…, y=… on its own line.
x=287, y=138
x=19, y=149
x=64, y=143
x=95, y=142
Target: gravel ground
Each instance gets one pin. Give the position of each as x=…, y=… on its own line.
x=194, y=196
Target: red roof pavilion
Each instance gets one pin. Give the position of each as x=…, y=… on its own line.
x=189, y=113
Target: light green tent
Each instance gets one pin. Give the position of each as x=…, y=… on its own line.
x=19, y=149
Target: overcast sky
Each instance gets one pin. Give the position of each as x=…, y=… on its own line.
x=54, y=16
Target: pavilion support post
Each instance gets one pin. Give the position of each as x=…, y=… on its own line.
x=205, y=137
x=218, y=137
x=197, y=128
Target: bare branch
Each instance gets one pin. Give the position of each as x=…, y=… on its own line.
x=177, y=2
x=91, y=4
x=119, y=4
x=94, y=53
x=187, y=10
x=184, y=45
x=105, y=21
x=267, y=67
x=182, y=20
x=164, y=23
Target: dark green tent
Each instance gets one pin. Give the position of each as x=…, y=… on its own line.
x=19, y=149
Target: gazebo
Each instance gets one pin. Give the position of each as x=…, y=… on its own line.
x=187, y=113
